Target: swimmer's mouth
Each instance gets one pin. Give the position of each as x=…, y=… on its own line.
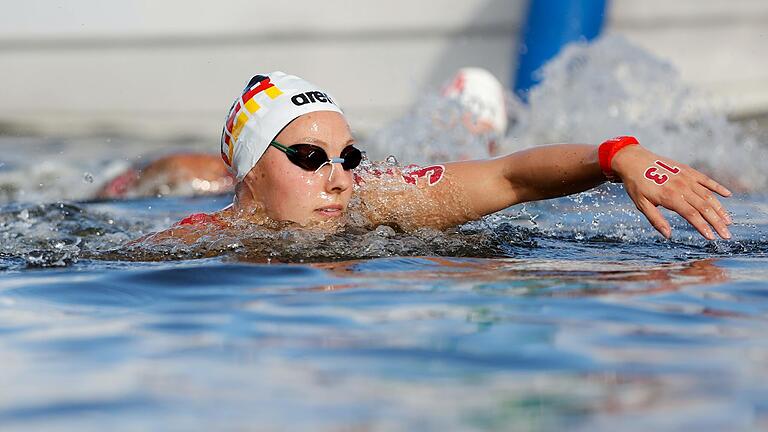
x=335, y=210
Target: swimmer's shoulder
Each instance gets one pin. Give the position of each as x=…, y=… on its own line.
x=202, y=219
x=221, y=218
x=415, y=196
x=190, y=228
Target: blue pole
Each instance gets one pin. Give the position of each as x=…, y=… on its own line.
x=550, y=25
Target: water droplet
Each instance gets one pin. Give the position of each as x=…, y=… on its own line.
x=88, y=177
x=391, y=160
x=365, y=163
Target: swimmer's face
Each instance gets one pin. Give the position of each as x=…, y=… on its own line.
x=291, y=193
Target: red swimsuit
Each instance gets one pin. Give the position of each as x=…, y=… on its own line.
x=201, y=218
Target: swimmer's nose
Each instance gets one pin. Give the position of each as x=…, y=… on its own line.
x=330, y=162
x=339, y=179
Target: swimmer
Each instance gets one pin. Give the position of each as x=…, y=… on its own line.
x=465, y=120
x=481, y=96
x=175, y=174
x=295, y=161
x=475, y=91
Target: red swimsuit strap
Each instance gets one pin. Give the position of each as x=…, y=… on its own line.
x=200, y=218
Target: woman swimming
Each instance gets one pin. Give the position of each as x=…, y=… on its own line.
x=474, y=101
x=293, y=156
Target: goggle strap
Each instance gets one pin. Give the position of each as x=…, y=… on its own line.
x=283, y=148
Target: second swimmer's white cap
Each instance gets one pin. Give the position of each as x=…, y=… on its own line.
x=482, y=94
x=267, y=104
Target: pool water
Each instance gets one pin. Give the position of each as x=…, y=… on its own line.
x=570, y=314
x=549, y=326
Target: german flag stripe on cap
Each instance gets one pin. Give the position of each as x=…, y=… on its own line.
x=238, y=118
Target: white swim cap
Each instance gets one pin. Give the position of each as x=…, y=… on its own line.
x=480, y=93
x=267, y=104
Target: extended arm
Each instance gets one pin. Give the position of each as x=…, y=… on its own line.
x=485, y=186
x=529, y=175
x=557, y=170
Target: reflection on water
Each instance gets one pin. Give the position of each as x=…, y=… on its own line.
x=664, y=277
x=387, y=344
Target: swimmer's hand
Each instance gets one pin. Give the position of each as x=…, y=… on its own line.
x=652, y=181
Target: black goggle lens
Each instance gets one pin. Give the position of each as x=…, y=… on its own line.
x=352, y=157
x=307, y=156
x=311, y=157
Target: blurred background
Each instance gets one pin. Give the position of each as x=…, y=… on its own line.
x=569, y=314
x=169, y=70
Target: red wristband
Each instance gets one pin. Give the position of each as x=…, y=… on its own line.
x=608, y=150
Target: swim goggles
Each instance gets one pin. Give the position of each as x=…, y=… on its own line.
x=311, y=157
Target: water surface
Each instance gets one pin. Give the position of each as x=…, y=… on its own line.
x=551, y=324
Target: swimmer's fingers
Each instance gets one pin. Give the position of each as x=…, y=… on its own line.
x=708, y=182
x=654, y=216
x=706, y=194
x=693, y=216
x=710, y=214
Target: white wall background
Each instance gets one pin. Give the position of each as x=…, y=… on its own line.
x=169, y=68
